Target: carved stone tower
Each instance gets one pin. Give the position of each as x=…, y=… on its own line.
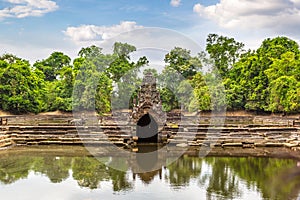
x=147, y=111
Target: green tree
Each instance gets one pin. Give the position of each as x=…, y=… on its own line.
x=124, y=73
x=208, y=93
x=18, y=87
x=175, y=88
x=169, y=81
x=122, y=50
x=249, y=81
x=185, y=92
x=284, y=95
x=224, y=52
x=84, y=93
x=284, y=79
x=121, y=63
x=56, y=91
x=52, y=65
x=236, y=84
x=269, y=50
x=181, y=60
x=97, y=73
x=103, y=94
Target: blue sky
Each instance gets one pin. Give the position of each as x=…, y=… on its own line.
x=33, y=29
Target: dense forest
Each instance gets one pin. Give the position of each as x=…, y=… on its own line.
x=264, y=80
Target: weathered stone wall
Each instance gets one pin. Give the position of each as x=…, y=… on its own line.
x=247, y=136
x=5, y=140
x=237, y=132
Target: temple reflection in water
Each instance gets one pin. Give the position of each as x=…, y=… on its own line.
x=218, y=176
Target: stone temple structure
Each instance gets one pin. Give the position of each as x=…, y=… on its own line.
x=147, y=113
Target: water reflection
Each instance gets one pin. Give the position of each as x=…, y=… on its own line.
x=219, y=177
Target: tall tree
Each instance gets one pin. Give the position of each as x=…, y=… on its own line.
x=253, y=73
x=284, y=78
x=175, y=87
x=121, y=63
x=18, y=88
x=124, y=73
x=181, y=60
x=224, y=52
x=52, y=65
x=96, y=73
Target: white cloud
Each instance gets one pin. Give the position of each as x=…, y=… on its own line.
x=175, y=3
x=25, y=8
x=92, y=33
x=249, y=14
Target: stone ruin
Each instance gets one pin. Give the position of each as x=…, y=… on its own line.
x=148, y=118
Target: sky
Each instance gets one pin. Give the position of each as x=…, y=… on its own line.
x=33, y=29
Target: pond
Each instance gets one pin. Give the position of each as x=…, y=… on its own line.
x=63, y=173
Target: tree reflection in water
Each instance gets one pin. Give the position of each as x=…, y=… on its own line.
x=223, y=182
x=183, y=170
x=221, y=177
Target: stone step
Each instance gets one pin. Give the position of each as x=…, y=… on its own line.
x=41, y=127
x=6, y=144
x=290, y=145
x=6, y=140
x=54, y=124
x=117, y=133
x=176, y=141
x=236, y=144
x=36, y=132
x=56, y=142
x=4, y=136
x=269, y=144
x=276, y=129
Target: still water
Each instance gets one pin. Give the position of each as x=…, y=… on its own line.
x=45, y=174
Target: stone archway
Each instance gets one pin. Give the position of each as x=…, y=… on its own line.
x=148, y=117
x=147, y=129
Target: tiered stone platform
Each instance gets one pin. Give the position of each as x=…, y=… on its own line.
x=243, y=131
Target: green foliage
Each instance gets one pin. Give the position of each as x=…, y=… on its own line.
x=169, y=81
x=9, y=58
x=208, y=93
x=18, y=88
x=175, y=87
x=201, y=99
x=169, y=99
x=256, y=82
x=85, y=86
x=224, y=52
x=90, y=52
x=124, y=73
x=284, y=78
x=152, y=71
x=284, y=94
x=52, y=65
x=120, y=63
x=122, y=50
x=103, y=94
x=234, y=94
x=266, y=79
x=181, y=60
x=97, y=73
x=185, y=92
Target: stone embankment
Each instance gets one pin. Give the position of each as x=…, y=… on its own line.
x=246, y=136
x=238, y=131
x=234, y=131
x=58, y=134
